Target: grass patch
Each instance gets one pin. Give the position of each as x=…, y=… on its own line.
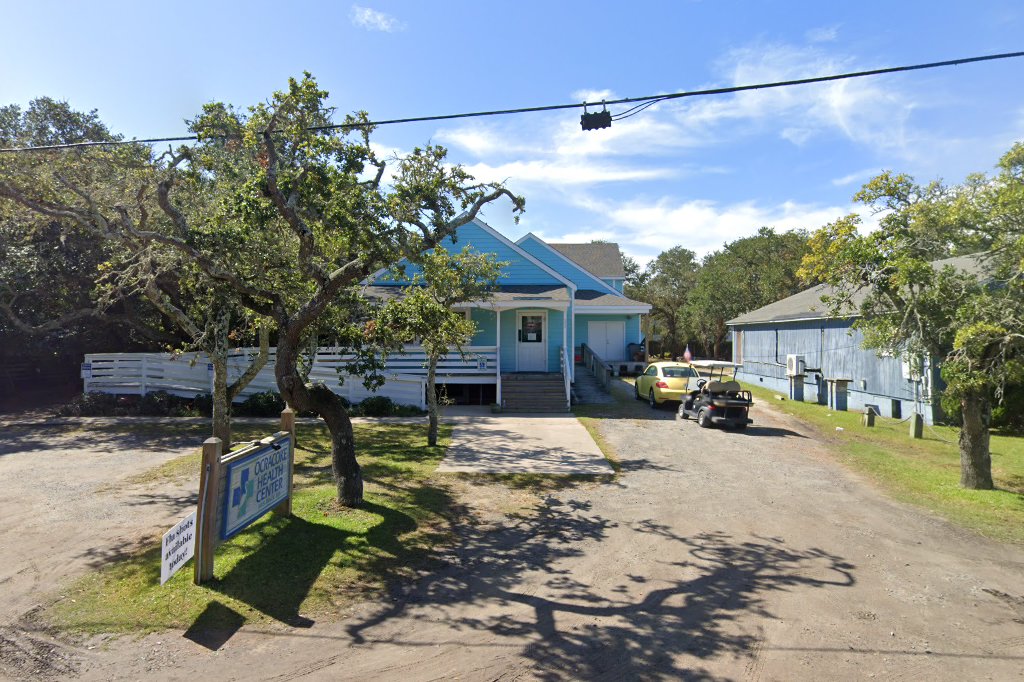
x=590, y=424
x=923, y=471
x=287, y=570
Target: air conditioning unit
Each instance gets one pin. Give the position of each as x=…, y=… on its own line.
x=795, y=365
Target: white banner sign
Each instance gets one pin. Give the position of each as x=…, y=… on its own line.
x=178, y=547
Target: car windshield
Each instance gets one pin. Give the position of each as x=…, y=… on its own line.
x=681, y=372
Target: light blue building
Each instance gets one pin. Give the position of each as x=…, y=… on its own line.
x=551, y=299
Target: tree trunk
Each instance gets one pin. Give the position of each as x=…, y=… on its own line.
x=218, y=353
x=221, y=405
x=347, y=474
x=432, y=400
x=975, y=457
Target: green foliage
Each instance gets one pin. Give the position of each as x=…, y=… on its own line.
x=154, y=404
x=425, y=309
x=746, y=274
x=966, y=318
x=666, y=284
x=55, y=299
x=692, y=300
x=377, y=406
x=262, y=404
x=278, y=213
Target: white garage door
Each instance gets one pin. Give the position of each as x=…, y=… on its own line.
x=607, y=339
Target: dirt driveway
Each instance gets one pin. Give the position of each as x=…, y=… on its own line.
x=714, y=555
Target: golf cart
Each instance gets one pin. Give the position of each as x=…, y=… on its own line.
x=718, y=399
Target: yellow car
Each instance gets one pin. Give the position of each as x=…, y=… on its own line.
x=663, y=381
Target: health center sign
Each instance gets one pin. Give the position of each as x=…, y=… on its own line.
x=256, y=484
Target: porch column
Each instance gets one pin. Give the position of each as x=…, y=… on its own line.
x=497, y=355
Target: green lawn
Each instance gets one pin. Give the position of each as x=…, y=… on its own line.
x=286, y=569
x=925, y=472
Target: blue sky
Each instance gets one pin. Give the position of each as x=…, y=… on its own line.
x=697, y=172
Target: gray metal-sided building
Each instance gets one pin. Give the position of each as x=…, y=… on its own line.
x=796, y=338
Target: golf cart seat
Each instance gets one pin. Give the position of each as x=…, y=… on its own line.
x=715, y=387
x=731, y=387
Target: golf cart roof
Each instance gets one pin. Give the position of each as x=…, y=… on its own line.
x=713, y=364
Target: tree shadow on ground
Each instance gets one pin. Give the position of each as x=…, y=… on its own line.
x=101, y=437
x=634, y=627
x=214, y=626
x=270, y=579
x=277, y=576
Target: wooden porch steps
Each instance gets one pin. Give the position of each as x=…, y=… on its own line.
x=533, y=393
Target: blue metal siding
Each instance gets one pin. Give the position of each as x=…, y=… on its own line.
x=560, y=264
x=834, y=348
x=519, y=270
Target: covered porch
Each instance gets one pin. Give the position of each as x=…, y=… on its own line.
x=530, y=328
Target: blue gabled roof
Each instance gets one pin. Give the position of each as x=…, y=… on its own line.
x=557, y=261
x=522, y=268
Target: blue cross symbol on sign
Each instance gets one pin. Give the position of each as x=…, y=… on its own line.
x=243, y=493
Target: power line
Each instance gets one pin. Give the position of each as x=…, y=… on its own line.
x=646, y=101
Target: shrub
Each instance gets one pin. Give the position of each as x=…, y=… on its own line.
x=156, y=404
x=377, y=406
x=263, y=404
x=1009, y=416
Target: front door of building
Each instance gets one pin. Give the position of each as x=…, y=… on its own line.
x=532, y=342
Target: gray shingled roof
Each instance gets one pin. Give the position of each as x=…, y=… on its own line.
x=588, y=297
x=602, y=259
x=807, y=304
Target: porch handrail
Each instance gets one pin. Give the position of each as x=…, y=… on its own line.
x=564, y=360
x=598, y=367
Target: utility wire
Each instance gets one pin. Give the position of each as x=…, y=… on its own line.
x=648, y=100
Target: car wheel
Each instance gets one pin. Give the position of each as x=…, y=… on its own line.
x=651, y=400
x=703, y=420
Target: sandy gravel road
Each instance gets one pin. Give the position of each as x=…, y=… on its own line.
x=714, y=556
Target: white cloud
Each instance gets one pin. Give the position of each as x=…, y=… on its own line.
x=822, y=34
x=865, y=111
x=564, y=172
x=481, y=141
x=593, y=95
x=860, y=176
x=645, y=229
x=372, y=20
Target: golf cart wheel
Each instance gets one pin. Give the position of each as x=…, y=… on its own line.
x=703, y=420
x=741, y=427
x=681, y=413
x=651, y=400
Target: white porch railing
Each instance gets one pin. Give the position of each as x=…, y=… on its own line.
x=189, y=374
x=564, y=358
